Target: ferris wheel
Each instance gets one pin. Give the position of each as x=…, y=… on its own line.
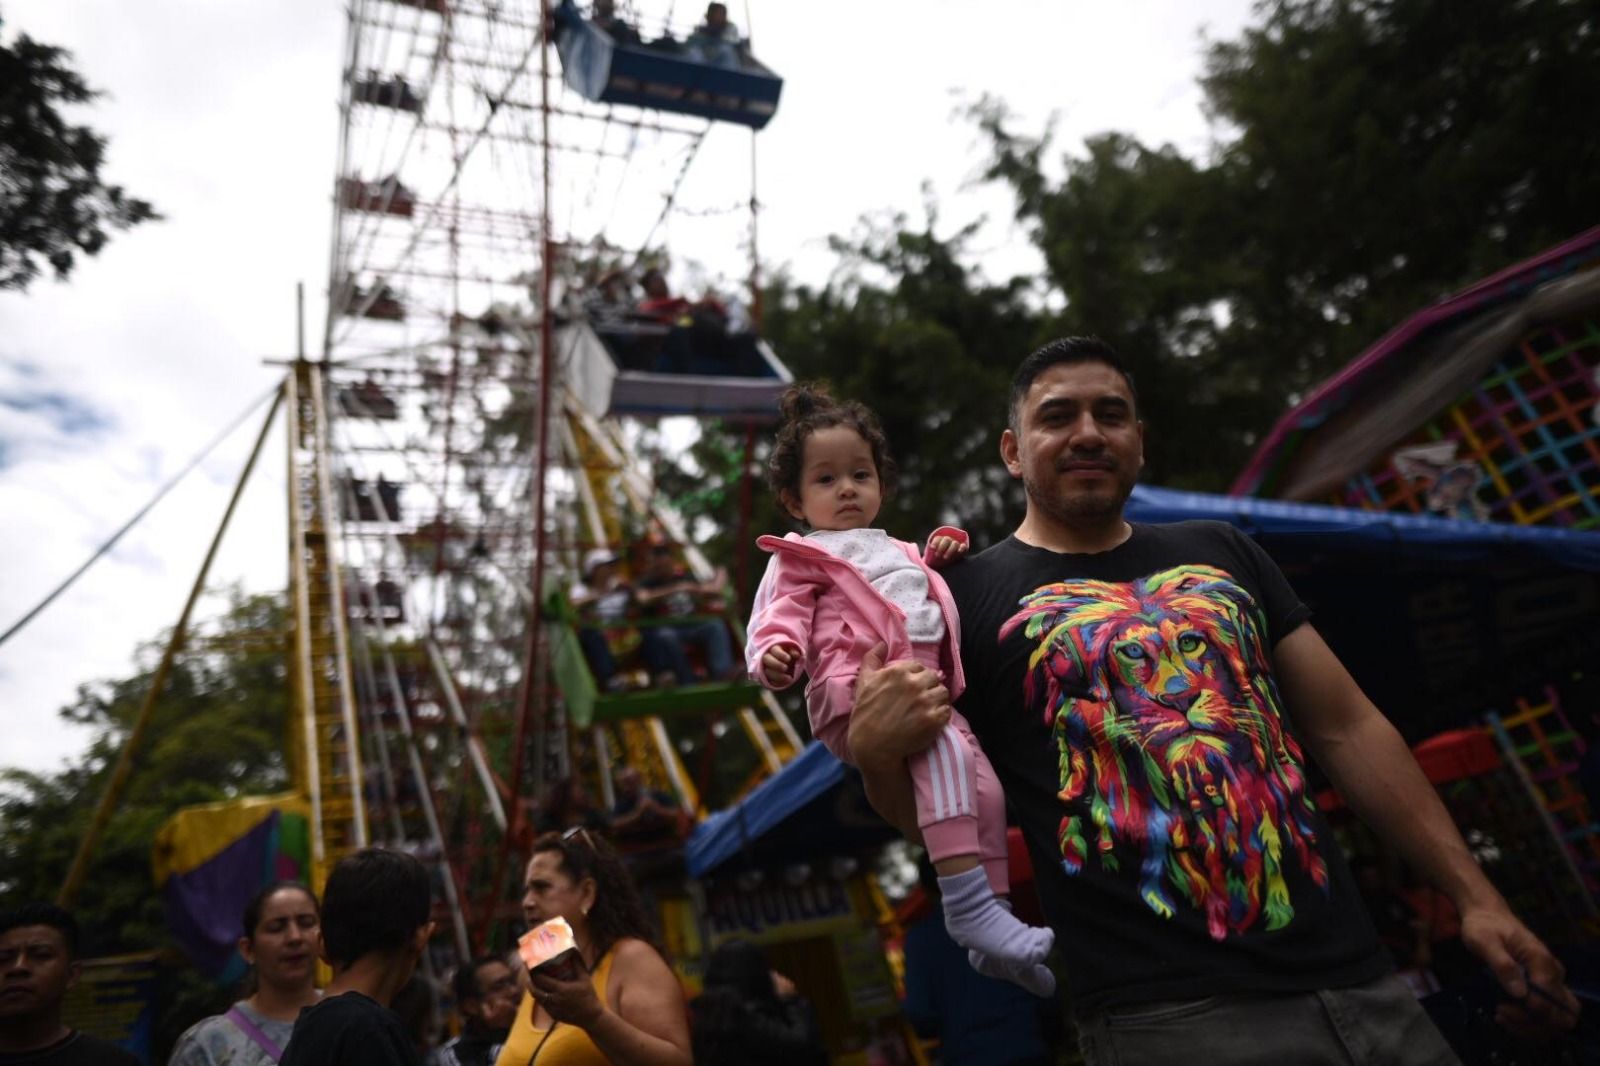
x=505, y=170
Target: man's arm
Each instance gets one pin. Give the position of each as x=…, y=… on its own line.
x=899, y=710
x=1370, y=765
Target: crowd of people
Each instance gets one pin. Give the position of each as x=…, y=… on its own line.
x=1137, y=696
x=622, y=1004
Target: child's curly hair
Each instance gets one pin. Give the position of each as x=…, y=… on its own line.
x=806, y=408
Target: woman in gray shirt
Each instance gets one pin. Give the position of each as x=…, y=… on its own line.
x=280, y=941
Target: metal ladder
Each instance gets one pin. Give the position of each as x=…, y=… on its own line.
x=324, y=740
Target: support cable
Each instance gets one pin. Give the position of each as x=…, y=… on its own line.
x=141, y=722
x=666, y=208
x=17, y=626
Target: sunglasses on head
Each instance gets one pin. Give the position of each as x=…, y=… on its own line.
x=578, y=832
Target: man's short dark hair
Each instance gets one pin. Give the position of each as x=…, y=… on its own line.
x=47, y=914
x=466, y=986
x=375, y=901
x=1062, y=350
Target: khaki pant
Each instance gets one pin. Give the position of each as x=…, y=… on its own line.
x=1376, y=1024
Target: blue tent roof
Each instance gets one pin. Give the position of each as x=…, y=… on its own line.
x=1439, y=620
x=814, y=798
x=1278, y=522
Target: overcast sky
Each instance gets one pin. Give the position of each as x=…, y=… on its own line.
x=225, y=115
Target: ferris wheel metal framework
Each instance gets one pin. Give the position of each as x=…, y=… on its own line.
x=419, y=651
x=441, y=470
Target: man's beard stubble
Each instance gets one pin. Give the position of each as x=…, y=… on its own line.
x=1080, y=509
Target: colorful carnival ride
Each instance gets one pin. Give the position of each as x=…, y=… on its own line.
x=1485, y=405
x=1483, y=410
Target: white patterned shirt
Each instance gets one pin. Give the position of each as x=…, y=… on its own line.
x=216, y=1041
x=896, y=577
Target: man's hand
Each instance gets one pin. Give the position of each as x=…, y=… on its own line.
x=945, y=550
x=899, y=710
x=1531, y=976
x=1369, y=763
x=777, y=665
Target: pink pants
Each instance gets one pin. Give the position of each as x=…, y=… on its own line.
x=961, y=809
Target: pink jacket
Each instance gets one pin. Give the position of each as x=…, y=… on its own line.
x=828, y=608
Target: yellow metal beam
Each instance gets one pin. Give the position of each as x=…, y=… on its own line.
x=141, y=723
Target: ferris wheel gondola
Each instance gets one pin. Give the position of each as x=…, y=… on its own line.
x=626, y=364
x=664, y=74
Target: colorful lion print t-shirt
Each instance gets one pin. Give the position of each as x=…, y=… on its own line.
x=1127, y=702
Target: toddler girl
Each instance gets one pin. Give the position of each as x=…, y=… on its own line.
x=827, y=598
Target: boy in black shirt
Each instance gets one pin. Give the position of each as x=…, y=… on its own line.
x=375, y=927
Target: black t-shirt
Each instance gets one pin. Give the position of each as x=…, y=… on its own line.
x=1127, y=703
x=349, y=1030
x=75, y=1049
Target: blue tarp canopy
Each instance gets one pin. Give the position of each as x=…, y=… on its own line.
x=815, y=802
x=1439, y=620
x=1287, y=527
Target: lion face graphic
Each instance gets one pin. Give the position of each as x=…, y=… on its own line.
x=1170, y=741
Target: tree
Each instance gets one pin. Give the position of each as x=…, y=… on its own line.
x=1372, y=156
x=54, y=205
x=217, y=733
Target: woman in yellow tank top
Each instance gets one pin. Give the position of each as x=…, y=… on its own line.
x=629, y=1009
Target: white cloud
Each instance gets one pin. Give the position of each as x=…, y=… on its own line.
x=225, y=115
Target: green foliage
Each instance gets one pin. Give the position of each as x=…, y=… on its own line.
x=215, y=733
x=1372, y=156
x=53, y=204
